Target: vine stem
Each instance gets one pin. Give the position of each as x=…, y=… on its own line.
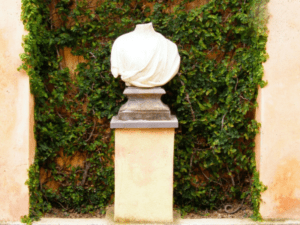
x=92, y=54
x=230, y=206
x=187, y=97
x=57, y=52
x=246, y=99
x=223, y=121
x=232, y=180
x=91, y=133
x=191, y=162
x=85, y=173
x=62, y=206
x=210, y=179
x=237, y=81
x=59, y=115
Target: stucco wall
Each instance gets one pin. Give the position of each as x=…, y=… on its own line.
x=278, y=145
x=16, y=132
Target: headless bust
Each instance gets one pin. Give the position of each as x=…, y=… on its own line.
x=144, y=58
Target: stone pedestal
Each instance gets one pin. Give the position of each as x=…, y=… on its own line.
x=144, y=155
x=144, y=175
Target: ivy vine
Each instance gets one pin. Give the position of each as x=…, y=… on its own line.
x=222, y=48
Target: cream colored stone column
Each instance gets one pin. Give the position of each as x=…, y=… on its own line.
x=144, y=175
x=278, y=145
x=16, y=116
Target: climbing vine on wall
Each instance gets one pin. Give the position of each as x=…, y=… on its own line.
x=222, y=48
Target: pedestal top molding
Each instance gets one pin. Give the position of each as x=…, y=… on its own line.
x=116, y=123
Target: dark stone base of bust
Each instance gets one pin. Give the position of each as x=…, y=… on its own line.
x=144, y=109
x=144, y=104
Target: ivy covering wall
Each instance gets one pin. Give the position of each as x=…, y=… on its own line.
x=222, y=48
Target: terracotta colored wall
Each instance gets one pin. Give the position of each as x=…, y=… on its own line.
x=16, y=130
x=278, y=145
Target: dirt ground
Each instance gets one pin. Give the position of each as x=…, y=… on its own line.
x=244, y=212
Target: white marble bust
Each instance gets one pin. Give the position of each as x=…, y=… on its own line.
x=144, y=58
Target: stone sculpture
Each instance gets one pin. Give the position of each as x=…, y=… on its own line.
x=145, y=127
x=144, y=58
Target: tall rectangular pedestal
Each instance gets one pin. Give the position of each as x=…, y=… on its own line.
x=144, y=175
